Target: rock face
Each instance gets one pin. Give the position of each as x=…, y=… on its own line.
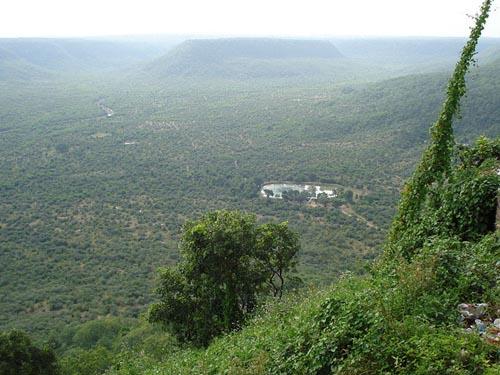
x=478, y=319
x=470, y=312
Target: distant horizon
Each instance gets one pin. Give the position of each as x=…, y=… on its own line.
x=242, y=36
x=242, y=18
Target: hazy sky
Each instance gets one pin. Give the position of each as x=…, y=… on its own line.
x=241, y=17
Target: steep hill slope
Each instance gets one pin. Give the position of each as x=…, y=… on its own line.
x=414, y=99
x=31, y=58
x=13, y=68
x=409, y=50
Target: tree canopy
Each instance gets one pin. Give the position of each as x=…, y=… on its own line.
x=19, y=356
x=228, y=260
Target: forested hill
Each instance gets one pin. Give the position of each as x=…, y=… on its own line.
x=400, y=106
x=236, y=57
x=34, y=58
x=12, y=68
x=25, y=59
x=432, y=51
x=217, y=50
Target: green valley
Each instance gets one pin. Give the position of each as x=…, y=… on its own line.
x=108, y=147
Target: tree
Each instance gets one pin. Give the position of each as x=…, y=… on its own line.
x=227, y=262
x=296, y=196
x=269, y=193
x=349, y=195
x=87, y=362
x=277, y=248
x=322, y=199
x=19, y=356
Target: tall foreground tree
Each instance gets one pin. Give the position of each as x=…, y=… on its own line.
x=228, y=260
x=434, y=169
x=19, y=356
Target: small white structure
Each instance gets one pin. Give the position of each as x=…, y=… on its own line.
x=278, y=189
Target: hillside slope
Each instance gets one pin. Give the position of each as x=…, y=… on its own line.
x=410, y=50
x=35, y=58
x=245, y=57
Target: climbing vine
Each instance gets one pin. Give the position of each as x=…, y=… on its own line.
x=435, y=165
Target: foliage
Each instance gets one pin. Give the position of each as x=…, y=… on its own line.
x=400, y=319
x=404, y=324
x=227, y=261
x=435, y=165
x=276, y=248
x=19, y=356
x=88, y=335
x=87, y=362
x=95, y=346
x=463, y=206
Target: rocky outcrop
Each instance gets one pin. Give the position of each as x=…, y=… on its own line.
x=478, y=318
